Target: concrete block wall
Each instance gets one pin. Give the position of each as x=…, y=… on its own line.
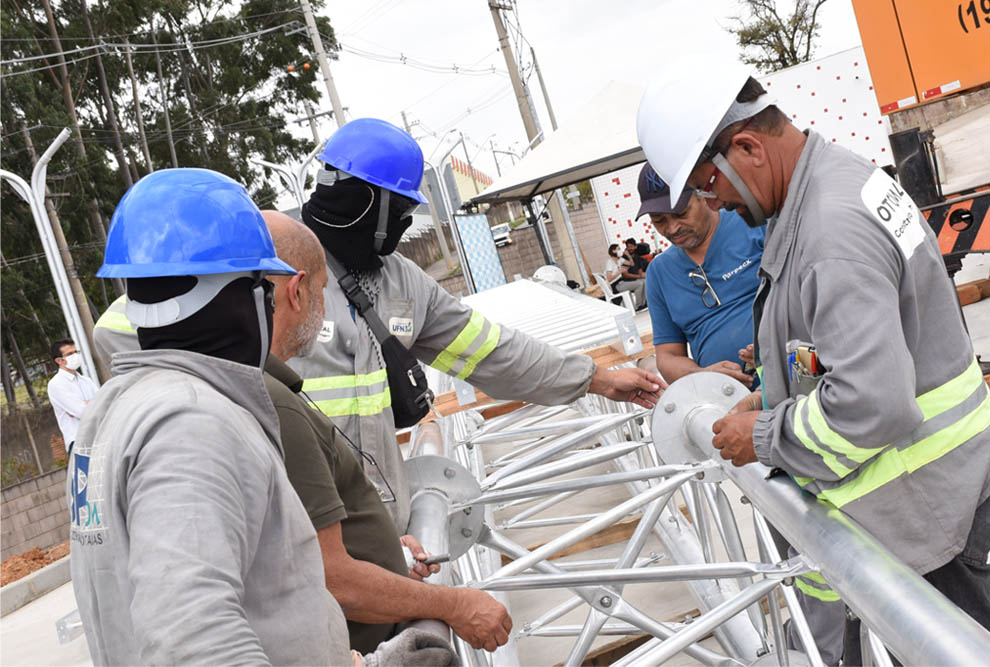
x=34, y=513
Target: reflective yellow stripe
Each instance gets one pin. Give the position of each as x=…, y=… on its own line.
x=445, y=360
x=828, y=458
x=345, y=381
x=948, y=395
x=815, y=592
x=802, y=481
x=363, y=406
x=115, y=321
x=490, y=342
x=892, y=464
x=830, y=438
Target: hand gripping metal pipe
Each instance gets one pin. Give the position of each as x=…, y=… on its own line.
x=916, y=622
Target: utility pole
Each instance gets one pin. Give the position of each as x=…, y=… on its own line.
x=543, y=87
x=567, y=242
x=321, y=57
x=137, y=106
x=125, y=171
x=467, y=155
x=433, y=209
x=312, y=122
x=95, y=219
x=491, y=144
x=78, y=295
x=163, y=93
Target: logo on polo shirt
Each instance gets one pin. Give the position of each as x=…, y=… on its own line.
x=726, y=276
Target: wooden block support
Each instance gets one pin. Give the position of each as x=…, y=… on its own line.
x=973, y=291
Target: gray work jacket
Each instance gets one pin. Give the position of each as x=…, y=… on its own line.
x=896, y=430
x=189, y=546
x=346, y=378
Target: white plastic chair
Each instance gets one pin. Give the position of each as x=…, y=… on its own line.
x=628, y=298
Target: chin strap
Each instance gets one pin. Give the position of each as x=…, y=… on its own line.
x=382, y=231
x=759, y=217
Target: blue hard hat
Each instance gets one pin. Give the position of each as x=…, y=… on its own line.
x=187, y=222
x=379, y=153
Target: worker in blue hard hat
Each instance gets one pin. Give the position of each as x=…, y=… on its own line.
x=384, y=315
x=189, y=545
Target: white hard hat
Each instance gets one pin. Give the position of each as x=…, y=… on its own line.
x=550, y=274
x=680, y=112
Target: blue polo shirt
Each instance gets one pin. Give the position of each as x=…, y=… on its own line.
x=678, y=313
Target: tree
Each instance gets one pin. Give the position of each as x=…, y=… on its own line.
x=228, y=90
x=771, y=42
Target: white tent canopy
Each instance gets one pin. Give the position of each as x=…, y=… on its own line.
x=601, y=138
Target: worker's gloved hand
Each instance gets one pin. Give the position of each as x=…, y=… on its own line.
x=479, y=619
x=413, y=648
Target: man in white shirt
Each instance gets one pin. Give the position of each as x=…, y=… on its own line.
x=69, y=392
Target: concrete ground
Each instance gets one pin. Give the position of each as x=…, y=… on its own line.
x=27, y=636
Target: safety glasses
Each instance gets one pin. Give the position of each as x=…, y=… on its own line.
x=708, y=295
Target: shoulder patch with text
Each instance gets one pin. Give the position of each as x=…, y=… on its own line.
x=893, y=208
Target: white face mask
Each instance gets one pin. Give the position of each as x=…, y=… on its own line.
x=73, y=361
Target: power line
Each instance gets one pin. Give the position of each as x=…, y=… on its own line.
x=142, y=33
x=108, y=48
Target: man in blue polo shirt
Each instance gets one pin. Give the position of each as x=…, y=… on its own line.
x=701, y=291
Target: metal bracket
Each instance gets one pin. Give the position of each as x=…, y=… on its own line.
x=457, y=483
x=697, y=391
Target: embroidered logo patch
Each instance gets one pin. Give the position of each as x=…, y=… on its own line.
x=326, y=332
x=893, y=208
x=400, y=326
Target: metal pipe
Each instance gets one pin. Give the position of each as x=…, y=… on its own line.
x=707, y=622
x=592, y=626
x=591, y=527
x=790, y=597
x=428, y=523
x=918, y=623
x=645, y=575
x=572, y=461
x=623, y=611
x=586, y=435
x=428, y=441
x=540, y=506
x=535, y=430
x=574, y=630
x=591, y=482
x=555, y=521
x=737, y=636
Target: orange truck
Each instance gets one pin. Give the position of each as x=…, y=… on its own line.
x=930, y=65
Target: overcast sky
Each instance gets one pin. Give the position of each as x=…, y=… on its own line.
x=580, y=44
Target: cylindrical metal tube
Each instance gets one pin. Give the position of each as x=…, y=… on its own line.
x=428, y=524
x=917, y=623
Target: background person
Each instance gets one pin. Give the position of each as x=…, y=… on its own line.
x=69, y=391
x=701, y=290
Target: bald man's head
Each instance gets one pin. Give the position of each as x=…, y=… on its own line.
x=298, y=299
x=295, y=244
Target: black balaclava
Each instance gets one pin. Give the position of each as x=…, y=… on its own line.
x=228, y=327
x=344, y=216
